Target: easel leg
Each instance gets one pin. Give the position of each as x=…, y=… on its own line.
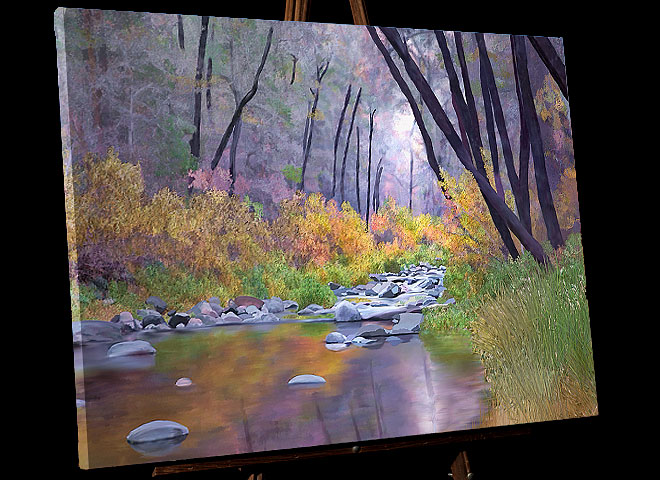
x=460, y=468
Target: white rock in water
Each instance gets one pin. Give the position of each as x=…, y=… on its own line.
x=336, y=347
x=157, y=430
x=362, y=341
x=135, y=347
x=335, y=337
x=183, y=382
x=306, y=379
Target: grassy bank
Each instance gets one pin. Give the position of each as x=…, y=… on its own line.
x=530, y=327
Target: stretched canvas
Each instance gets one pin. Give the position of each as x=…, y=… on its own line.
x=287, y=234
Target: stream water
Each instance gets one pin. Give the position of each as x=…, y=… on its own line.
x=239, y=400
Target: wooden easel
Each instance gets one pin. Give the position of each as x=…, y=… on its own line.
x=298, y=10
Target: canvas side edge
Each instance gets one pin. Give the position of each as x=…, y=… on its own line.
x=60, y=39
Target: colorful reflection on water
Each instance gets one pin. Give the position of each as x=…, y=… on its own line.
x=239, y=400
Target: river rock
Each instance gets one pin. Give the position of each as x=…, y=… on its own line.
x=157, y=303
x=183, y=382
x=391, y=290
x=86, y=331
x=335, y=337
x=152, y=320
x=156, y=431
x=333, y=285
x=290, y=305
x=245, y=300
x=306, y=379
x=263, y=318
x=217, y=308
x=408, y=323
x=144, y=312
x=310, y=309
x=179, y=318
x=361, y=341
x=337, y=347
x=346, y=311
x=229, y=317
x=134, y=347
x=387, y=312
x=195, y=322
x=274, y=304
x=126, y=321
x=370, y=331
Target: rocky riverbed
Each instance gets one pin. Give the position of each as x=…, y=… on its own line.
x=397, y=297
x=388, y=309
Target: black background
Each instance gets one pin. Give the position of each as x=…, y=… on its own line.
x=580, y=448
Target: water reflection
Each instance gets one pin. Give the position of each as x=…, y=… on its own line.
x=239, y=400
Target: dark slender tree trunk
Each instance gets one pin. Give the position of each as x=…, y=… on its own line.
x=536, y=142
x=233, y=148
x=368, y=199
x=441, y=119
x=348, y=141
x=467, y=107
x=347, y=99
x=195, y=141
x=551, y=60
x=239, y=109
x=490, y=128
x=320, y=72
x=417, y=114
x=209, y=77
x=293, y=70
x=357, y=171
x=179, y=22
x=410, y=184
x=523, y=205
x=379, y=174
x=468, y=111
x=520, y=189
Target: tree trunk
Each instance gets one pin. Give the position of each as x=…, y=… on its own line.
x=536, y=142
x=523, y=205
x=239, y=109
x=320, y=72
x=551, y=60
x=468, y=111
x=368, y=199
x=410, y=187
x=293, y=70
x=518, y=183
x=357, y=171
x=195, y=143
x=209, y=76
x=179, y=22
x=441, y=119
x=232, y=154
x=379, y=174
x=347, y=99
x=398, y=78
x=348, y=141
x=469, y=108
x=490, y=127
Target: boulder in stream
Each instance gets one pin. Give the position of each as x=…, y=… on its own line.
x=157, y=437
x=306, y=379
x=335, y=337
x=134, y=347
x=346, y=311
x=86, y=331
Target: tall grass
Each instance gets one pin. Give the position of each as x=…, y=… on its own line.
x=532, y=333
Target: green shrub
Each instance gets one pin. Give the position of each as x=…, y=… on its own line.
x=253, y=282
x=311, y=291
